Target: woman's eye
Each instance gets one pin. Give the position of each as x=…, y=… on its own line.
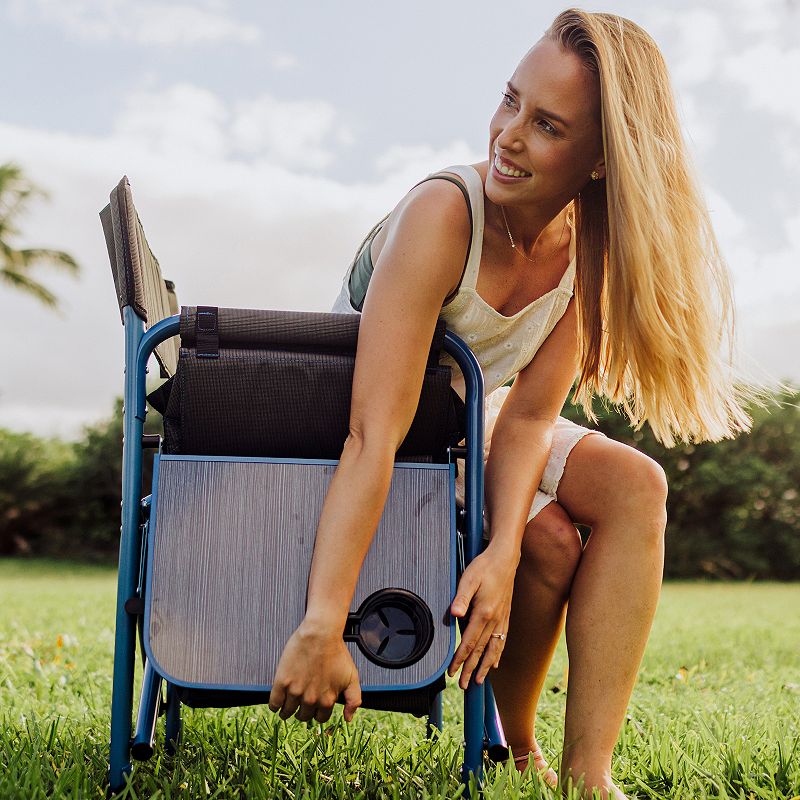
x=547, y=127
x=508, y=100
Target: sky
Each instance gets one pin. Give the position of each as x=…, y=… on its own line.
x=262, y=140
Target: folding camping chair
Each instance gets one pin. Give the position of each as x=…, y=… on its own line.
x=214, y=563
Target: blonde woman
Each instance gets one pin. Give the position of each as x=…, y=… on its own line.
x=581, y=246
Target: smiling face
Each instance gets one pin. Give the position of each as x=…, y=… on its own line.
x=547, y=128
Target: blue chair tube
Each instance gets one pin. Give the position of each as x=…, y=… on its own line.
x=144, y=733
x=474, y=695
x=496, y=745
x=173, y=726
x=435, y=716
x=138, y=347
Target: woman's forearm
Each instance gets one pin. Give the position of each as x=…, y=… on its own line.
x=350, y=515
x=518, y=456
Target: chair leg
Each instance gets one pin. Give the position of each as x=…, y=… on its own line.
x=119, y=765
x=144, y=733
x=473, y=735
x=496, y=744
x=174, y=725
x=434, y=716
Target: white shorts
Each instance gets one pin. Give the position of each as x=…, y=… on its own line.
x=566, y=435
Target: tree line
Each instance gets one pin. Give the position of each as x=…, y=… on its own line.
x=733, y=506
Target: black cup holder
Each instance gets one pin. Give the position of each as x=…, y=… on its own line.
x=393, y=628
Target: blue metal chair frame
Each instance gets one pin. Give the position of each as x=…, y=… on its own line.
x=481, y=723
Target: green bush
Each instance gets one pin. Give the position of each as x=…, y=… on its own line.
x=34, y=474
x=63, y=499
x=733, y=507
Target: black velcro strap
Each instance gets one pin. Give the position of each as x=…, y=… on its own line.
x=207, y=332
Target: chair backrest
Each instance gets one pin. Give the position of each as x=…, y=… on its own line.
x=279, y=383
x=137, y=275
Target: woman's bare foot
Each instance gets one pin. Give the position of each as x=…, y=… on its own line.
x=588, y=783
x=534, y=753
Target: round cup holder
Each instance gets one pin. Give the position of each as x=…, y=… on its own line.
x=392, y=627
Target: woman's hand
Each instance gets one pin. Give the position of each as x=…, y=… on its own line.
x=486, y=587
x=315, y=668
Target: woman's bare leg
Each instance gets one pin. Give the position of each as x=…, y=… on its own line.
x=551, y=550
x=621, y=494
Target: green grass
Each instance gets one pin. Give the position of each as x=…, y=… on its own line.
x=715, y=712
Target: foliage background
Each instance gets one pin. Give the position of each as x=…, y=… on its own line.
x=733, y=508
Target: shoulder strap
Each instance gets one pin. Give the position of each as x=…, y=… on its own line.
x=361, y=268
x=463, y=189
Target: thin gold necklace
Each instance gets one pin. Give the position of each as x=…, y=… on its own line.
x=519, y=249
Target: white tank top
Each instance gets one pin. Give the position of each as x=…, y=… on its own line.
x=503, y=345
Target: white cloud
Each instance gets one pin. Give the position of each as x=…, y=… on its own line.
x=763, y=17
x=148, y=22
x=410, y=163
x=770, y=76
x=283, y=61
x=299, y=132
x=303, y=135
x=701, y=42
x=700, y=132
x=180, y=119
x=766, y=274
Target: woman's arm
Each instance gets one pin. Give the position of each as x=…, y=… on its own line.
x=421, y=260
x=521, y=443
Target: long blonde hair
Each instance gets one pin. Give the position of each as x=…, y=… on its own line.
x=654, y=296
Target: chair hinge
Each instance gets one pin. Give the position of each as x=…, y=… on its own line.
x=135, y=606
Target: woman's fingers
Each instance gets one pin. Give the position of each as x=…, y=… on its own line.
x=352, y=699
x=290, y=705
x=467, y=587
x=325, y=707
x=277, y=697
x=308, y=709
x=472, y=639
x=491, y=658
x=475, y=655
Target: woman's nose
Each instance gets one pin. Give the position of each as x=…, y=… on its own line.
x=509, y=137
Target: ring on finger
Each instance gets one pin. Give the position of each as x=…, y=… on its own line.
x=500, y=636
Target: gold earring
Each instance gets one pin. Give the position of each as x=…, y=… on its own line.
x=595, y=175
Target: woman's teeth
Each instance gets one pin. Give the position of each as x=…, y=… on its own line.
x=512, y=173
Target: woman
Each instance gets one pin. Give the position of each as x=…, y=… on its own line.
x=586, y=179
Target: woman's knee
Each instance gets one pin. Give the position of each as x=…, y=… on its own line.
x=639, y=493
x=551, y=548
x=645, y=483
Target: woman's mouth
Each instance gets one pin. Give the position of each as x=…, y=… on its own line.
x=509, y=170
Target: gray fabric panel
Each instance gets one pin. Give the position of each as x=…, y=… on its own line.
x=231, y=554
x=137, y=275
x=116, y=268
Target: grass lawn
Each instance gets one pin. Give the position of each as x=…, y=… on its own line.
x=716, y=712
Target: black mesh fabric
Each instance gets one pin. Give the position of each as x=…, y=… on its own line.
x=415, y=701
x=281, y=387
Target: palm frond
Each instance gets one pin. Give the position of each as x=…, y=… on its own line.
x=15, y=263
x=28, y=285
x=58, y=258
